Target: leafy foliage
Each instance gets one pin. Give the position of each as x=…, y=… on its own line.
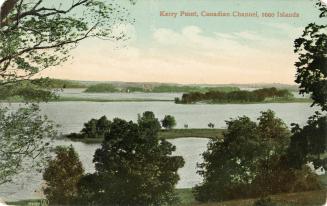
x=133, y=167
x=95, y=128
x=36, y=35
x=258, y=95
x=211, y=125
x=311, y=66
x=101, y=88
x=309, y=144
x=172, y=88
x=62, y=84
x=168, y=122
x=62, y=175
x=27, y=91
x=24, y=141
x=251, y=161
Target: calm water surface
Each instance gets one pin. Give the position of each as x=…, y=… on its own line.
x=28, y=186
x=72, y=115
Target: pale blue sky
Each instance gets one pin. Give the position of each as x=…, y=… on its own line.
x=197, y=49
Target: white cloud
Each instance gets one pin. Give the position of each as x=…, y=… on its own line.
x=187, y=55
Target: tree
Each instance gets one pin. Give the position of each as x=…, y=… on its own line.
x=309, y=143
x=211, y=125
x=36, y=35
x=250, y=161
x=62, y=176
x=95, y=128
x=311, y=66
x=168, y=122
x=133, y=167
x=25, y=138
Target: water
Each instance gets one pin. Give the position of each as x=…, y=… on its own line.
x=28, y=186
x=72, y=115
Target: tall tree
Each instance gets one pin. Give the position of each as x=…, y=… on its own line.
x=309, y=143
x=133, y=167
x=36, y=35
x=24, y=141
x=311, y=66
x=62, y=175
x=250, y=162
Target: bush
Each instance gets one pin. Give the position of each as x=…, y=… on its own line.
x=168, y=122
x=62, y=176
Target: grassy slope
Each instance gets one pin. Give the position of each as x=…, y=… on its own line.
x=311, y=198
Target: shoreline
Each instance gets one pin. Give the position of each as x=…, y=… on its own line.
x=77, y=99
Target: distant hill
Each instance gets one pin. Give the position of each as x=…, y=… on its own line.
x=60, y=83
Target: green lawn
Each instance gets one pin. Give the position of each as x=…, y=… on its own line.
x=311, y=198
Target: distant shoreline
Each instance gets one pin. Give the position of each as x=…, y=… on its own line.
x=80, y=99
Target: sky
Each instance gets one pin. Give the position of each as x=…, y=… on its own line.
x=200, y=49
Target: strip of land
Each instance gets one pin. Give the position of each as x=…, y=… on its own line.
x=172, y=134
x=310, y=198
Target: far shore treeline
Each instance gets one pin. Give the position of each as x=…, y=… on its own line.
x=243, y=96
x=163, y=88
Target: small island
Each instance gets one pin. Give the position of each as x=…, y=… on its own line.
x=265, y=95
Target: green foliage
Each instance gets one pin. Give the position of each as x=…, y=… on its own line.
x=93, y=129
x=101, y=88
x=309, y=144
x=24, y=141
x=168, y=122
x=211, y=125
x=251, y=161
x=37, y=35
x=311, y=66
x=62, y=176
x=171, y=88
x=62, y=84
x=26, y=91
x=109, y=88
x=258, y=95
x=133, y=167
